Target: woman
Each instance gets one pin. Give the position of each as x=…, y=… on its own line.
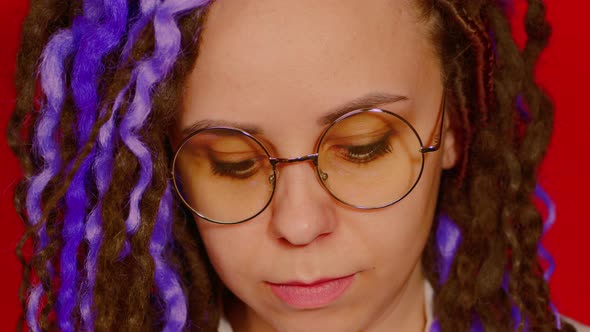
x=172, y=179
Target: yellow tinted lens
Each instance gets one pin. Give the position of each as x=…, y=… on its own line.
x=224, y=175
x=370, y=159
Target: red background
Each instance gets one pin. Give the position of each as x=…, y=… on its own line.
x=563, y=71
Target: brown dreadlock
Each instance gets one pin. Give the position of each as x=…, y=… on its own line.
x=487, y=194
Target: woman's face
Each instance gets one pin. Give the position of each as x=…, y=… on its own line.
x=308, y=262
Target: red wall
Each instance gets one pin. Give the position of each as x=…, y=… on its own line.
x=11, y=14
x=563, y=70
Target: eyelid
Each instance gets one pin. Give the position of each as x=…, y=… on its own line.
x=230, y=169
x=381, y=134
x=377, y=149
x=234, y=157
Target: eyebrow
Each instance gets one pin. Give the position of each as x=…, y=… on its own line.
x=202, y=124
x=370, y=100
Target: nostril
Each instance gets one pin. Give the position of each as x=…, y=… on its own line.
x=299, y=243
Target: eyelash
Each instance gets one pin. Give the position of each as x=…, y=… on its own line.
x=358, y=154
x=363, y=154
x=240, y=170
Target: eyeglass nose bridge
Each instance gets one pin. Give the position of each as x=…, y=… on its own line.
x=313, y=157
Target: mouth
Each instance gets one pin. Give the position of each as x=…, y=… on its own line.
x=317, y=294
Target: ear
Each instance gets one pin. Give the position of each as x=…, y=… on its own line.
x=450, y=150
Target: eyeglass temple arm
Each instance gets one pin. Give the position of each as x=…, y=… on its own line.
x=437, y=138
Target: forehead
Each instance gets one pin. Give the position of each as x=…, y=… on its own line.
x=263, y=59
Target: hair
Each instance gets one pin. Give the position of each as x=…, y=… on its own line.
x=98, y=85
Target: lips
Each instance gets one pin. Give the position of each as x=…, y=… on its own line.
x=318, y=294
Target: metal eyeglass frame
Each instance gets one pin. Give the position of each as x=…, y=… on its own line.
x=314, y=159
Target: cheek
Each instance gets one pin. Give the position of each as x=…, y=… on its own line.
x=389, y=242
x=402, y=234
x=387, y=234
x=232, y=249
x=396, y=242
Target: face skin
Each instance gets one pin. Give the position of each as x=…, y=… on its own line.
x=281, y=66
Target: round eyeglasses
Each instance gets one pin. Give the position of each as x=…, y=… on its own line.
x=366, y=159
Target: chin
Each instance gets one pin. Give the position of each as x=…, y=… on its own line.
x=320, y=320
x=318, y=324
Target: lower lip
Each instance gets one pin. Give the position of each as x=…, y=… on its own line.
x=312, y=296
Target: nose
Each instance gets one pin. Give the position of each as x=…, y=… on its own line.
x=302, y=211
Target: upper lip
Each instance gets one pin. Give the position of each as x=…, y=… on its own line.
x=308, y=283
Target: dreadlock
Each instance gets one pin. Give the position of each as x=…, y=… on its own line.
x=99, y=83
x=495, y=282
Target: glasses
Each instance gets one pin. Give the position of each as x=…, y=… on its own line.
x=366, y=159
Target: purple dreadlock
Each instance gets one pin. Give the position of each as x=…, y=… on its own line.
x=94, y=34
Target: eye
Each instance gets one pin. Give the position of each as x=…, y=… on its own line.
x=238, y=170
x=366, y=153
